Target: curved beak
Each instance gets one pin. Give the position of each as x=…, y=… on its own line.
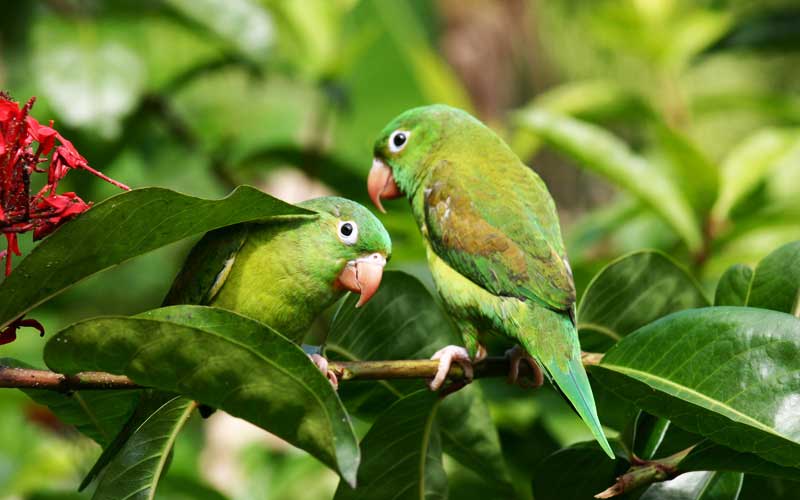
x=363, y=276
x=381, y=184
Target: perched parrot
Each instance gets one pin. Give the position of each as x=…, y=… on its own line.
x=493, y=243
x=285, y=274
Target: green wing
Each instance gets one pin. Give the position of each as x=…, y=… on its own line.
x=207, y=266
x=498, y=227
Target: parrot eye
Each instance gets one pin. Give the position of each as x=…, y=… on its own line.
x=398, y=140
x=348, y=232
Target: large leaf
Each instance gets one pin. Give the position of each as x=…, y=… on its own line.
x=725, y=373
x=599, y=151
x=135, y=471
x=97, y=414
x=776, y=281
x=121, y=228
x=733, y=286
x=403, y=321
x=747, y=165
x=577, y=472
x=242, y=23
x=701, y=485
x=631, y=292
x=402, y=454
x=223, y=360
x=90, y=84
x=708, y=455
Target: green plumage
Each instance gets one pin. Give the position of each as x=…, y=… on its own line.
x=493, y=241
x=283, y=272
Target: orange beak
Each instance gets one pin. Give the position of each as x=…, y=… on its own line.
x=363, y=276
x=381, y=184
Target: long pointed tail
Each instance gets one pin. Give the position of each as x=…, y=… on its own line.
x=553, y=341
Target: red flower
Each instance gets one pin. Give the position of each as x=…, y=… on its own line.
x=43, y=212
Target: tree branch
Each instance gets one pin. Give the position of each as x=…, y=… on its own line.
x=643, y=472
x=26, y=378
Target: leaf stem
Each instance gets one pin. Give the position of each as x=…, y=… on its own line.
x=26, y=378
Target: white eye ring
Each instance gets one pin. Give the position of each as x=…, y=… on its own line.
x=347, y=232
x=398, y=140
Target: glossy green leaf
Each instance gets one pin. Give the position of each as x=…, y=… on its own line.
x=631, y=292
x=97, y=414
x=135, y=471
x=403, y=321
x=701, y=485
x=599, y=151
x=119, y=229
x=402, y=454
x=707, y=455
x=223, y=360
x=747, y=165
x=776, y=281
x=733, y=286
x=725, y=373
x=649, y=432
x=577, y=472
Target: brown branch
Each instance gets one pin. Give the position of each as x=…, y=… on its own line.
x=25, y=378
x=643, y=472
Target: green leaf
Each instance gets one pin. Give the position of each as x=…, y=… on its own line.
x=725, y=373
x=435, y=79
x=242, y=23
x=89, y=84
x=599, y=151
x=733, y=286
x=119, y=229
x=696, y=175
x=402, y=454
x=631, y=292
x=773, y=31
x=649, y=432
x=776, y=281
x=701, y=485
x=135, y=471
x=403, y=321
x=577, y=472
x=97, y=414
x=708, y=455
x=748, y=164
x=223, y=360
x=591, y=100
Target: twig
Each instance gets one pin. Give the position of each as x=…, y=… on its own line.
x=643, y=472
x=25, y=378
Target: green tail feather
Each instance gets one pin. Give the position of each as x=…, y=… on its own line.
x=553, y=341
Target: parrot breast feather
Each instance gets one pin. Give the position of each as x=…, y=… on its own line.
x=499, y=231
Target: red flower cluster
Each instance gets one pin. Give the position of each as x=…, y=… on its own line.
x=44, y=211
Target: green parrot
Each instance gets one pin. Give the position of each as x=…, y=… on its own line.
x=285, y=274
x=493, y=243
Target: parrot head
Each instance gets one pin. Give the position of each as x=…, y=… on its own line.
x=355, y=240
x=403, y=149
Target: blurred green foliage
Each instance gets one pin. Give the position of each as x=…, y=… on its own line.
x=685, y=113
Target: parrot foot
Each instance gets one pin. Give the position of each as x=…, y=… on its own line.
x=517, y=354
x=322, y=364
x=446, y=356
